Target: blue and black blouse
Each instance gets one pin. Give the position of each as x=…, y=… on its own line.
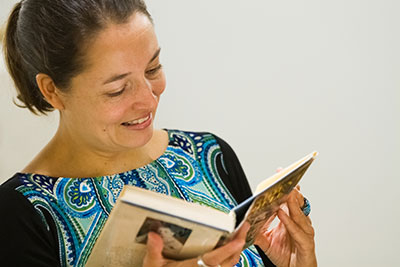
x=55, y=221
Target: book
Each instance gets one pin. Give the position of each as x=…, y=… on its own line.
x=188, y=229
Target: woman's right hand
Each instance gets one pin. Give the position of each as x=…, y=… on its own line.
x=225, y=256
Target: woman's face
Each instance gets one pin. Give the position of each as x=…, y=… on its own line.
x=112, y=103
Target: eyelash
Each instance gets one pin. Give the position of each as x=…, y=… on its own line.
x=154, y=71
x=117, y=93
x=149, y=72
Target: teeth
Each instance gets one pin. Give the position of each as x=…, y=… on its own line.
x=139, y=121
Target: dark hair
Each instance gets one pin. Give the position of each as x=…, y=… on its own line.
x=50, y=36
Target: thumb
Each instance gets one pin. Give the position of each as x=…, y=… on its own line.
x=153, y=257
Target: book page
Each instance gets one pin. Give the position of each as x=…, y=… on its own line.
x=268, y=182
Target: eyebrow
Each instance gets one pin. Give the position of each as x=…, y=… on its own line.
x=121, y=76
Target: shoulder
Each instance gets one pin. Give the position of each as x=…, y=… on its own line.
x=210, y=147
x=24, y=229
x=10, y=198
x=200, y=141
x=199, y=138
x=17, y=201
x=11, y=183
x=13, y=204
x=174, y=133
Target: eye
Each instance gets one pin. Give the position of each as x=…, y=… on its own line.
x=154, y=71
x=117, y=93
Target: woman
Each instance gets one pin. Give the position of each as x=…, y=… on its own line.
x=98, y=63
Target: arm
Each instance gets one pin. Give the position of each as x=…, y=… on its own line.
x=26, y=239
x=235, y=180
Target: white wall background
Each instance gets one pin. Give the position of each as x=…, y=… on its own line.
x=278, y=79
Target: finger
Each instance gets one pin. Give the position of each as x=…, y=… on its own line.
x=264, y=229
x=267, y=224
x=298, y=216
x=223, y=253
x=297, y=194
x=153, y=255
x=293, y=229
x=232, y=261
x=304, y=242
x=229, y=250
x=241, y=235
x=301, y=199
x=242, y=232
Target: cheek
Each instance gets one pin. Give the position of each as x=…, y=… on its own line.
x=93, y=114
x=105, y=117
x=114, y=114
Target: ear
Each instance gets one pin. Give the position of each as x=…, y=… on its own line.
x=50, y=91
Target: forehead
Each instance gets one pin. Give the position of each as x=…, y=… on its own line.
x=122, y=45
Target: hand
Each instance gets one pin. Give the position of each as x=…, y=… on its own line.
x=291, y=242
x=225, y=256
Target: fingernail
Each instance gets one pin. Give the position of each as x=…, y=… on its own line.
x=150, y=238
x=280, y=211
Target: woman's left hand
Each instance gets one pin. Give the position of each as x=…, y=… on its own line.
x=225, y=256
x=291, y=242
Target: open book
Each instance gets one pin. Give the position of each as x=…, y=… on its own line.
x=188, y=229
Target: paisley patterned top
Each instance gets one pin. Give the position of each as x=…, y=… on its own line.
x=77, y=209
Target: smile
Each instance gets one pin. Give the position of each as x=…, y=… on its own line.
x=138, y=121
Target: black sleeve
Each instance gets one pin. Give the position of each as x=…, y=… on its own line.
x=235, y=180
x=26, y=239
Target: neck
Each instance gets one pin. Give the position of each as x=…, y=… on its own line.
x=66, y=156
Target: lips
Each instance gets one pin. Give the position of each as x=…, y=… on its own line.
x=139, y=123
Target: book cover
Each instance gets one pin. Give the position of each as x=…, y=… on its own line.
x=186, y=228
x=269, y=195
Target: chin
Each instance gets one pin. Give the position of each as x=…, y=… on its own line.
x=139, y=138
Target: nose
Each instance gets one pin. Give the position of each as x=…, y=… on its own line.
x=143, y=96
